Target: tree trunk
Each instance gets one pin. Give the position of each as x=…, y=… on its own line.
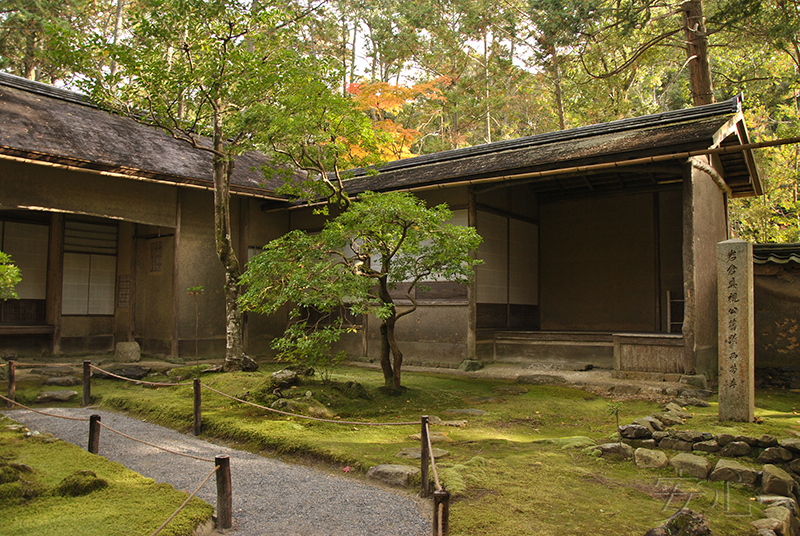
x=391, y=367
x=397, y=362
x=694, y=27
x=235, y=358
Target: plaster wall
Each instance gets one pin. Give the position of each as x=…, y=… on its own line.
x=34, y=186
x=154, y=290
x=710, y=227
x=776, y=291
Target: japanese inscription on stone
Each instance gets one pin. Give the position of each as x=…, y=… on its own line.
x=735, y=317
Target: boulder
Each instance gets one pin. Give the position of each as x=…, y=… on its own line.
x=675, y=444
x=766, y=441
x=415, y=453
x=691, y=465
x=683, y=522
x=695, y=380
x=63, y=381
x=775, y=455
x=469, y=365
x=56, y=396
x=779, y=500
x=752, y=441
x=732, y=471
x=635, y=431
x=791, y=443
x=127, y=352
x=723, y=439
x=706, y=446
x=768, y=525
x=691, y=436
x=650, y=459
x=794, y=466
x=284, y=378
x=393, y=474
x=654, y=423
x=735, y=449
x=785, y=517
x=658, y=436
x=669, y=418
x=776, y=481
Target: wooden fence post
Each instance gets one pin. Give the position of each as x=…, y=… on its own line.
x=224, y=492
x=12, y=379
x=441, y=512
x=87, y=383
x=197, y=418
x=94, y=434
x=425, y=459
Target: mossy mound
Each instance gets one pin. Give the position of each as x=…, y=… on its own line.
x=180, y=374
x=20, y=491
x=80, y=483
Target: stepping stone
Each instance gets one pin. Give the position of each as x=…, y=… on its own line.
x=465, y=411
x=474, y=400
x=393, y=474
x=436, y=437
x=510, y=389
x=415, y=453
x=56, y=396
x=63, y=381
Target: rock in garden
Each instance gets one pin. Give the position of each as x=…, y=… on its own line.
x=706, y=446
x=284, y=378
x=614, y=449
x=723, y=439
x=766, y=441
x=691, y=465
x=776, y=481
x=752, y=441
x=672, y=443
x=635, y=431
x=355, y=390
x=768, y=525
x=779, y=500
x=684, y=523
x=775, y=455
x=650, y=459
x=541, y=379
x=415, y=453
x=658, y=436
x=127, y=352
x=392, y=474
x=735, y=449
x=63, y=381
x=641, y=443
x=433, y=419
x=704, y=394
x=785, y=517
x=58, y=370
x=732, y=471
x=690, y=436
x=56, y=396
x=469, y=365
x=791, y=443
x=133, y=372
x=691, y=401
x=669, y=418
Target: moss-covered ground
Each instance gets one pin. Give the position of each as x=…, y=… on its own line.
x=511, y=471
x=38, y=497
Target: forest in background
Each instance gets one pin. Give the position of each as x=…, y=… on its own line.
x=441, y=74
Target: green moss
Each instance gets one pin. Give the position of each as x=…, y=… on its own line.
x=80, y=483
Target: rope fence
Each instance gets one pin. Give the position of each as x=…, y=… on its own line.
x=182, y=506
x=441, y=497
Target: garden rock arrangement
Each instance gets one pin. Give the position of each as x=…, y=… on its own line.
x=778, y=476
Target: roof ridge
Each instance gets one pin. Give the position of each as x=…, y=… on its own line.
x=47, y=90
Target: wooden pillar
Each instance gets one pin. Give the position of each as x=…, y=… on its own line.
x=425, y=459
x=198, y=426
x=12, y=381
x=224, y=493
x=689, y=343
x=94, y=434
x=55, y=269
x=472, y=336
x=176, y=290
x=244, y=241
x=87, y=383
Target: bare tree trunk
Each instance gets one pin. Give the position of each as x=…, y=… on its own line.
x=694, y=27
x=391, y=367
x=235, y=358
x=117, y=30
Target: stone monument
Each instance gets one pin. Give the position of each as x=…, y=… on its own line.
x=736, y=330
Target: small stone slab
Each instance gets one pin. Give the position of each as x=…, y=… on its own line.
x=723, y=439
x=475, y=400
x=635, y=431
x=641, y=443
x=435, y=437
x=672, y=443
x=691, y=436
x=284, y=378
x=791, y=443
x=510, y=389
x=776, y=481
x=669, y=418
x=691, y=465
x=766, y=441
x=465, y=411
x=62, y=381
x=470, y=365
x=393, y=474
x=650, y=459
x=707, y=446
x=133, y=372
x=60, y=370
x=733, y=471
x=778, y=500
x=614, y=449
x=541, y=379
x=415, y=453
x=767, y=525
x=56, y=396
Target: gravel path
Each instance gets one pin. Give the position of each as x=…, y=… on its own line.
x=269, y=496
